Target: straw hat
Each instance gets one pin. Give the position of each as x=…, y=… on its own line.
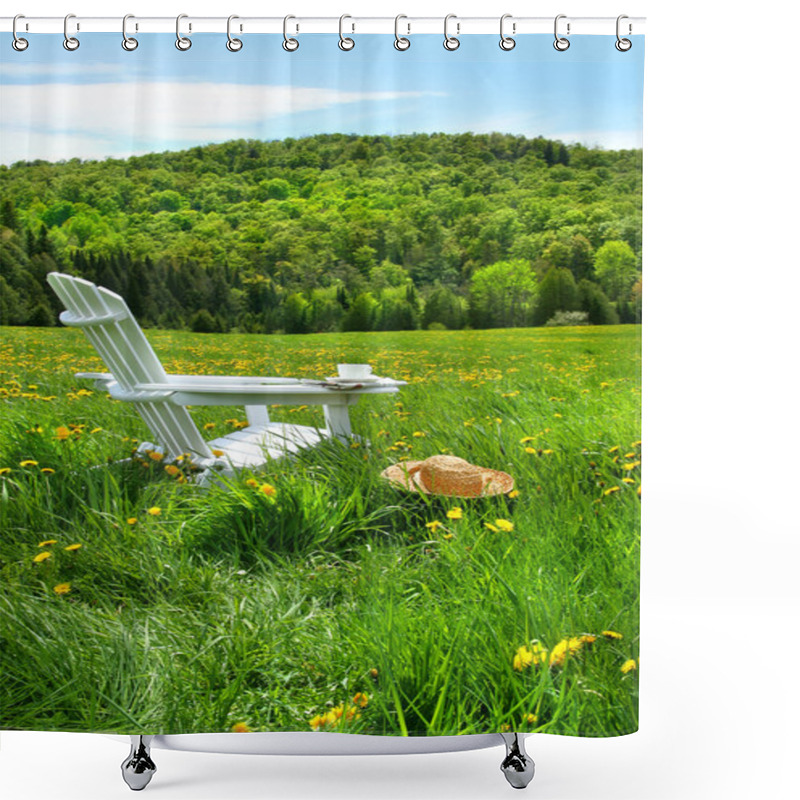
x=450, y=476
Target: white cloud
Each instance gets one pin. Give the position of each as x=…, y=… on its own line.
x=102, y=119
x=50, y=71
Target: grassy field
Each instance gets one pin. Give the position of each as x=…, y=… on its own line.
x=314, y=595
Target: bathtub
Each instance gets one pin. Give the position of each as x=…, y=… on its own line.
x=139, y=767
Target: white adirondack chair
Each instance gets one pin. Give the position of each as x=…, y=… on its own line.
x=137, y=376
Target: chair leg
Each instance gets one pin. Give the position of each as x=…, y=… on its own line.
x=138, y=768
x=517, y=766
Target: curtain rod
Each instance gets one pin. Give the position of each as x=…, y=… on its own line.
x=513, y=26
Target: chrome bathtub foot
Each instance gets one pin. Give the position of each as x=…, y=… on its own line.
x=517, y=766
x=138, y=768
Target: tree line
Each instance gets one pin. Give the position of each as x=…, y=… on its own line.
x=334, y=232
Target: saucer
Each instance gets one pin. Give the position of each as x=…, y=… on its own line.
x=367, y=379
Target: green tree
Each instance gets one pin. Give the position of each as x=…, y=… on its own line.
x=503, y=295
x=615, y=268
x=444, y=307
x=296, y=314
x=594, y=302
x=203, y=321
x=557, y=292
x=361, y=313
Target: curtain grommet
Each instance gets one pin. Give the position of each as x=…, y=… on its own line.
x=561, y=43
x=451, y=43
x=401, y=43
x=345, y=42
x=129, y=43
x=289, y=43
x=183, y=43
x=233, y=44
x=507, y=43
x=70, y=43
x=18, y=43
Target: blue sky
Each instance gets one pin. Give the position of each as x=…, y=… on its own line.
x=102, y=101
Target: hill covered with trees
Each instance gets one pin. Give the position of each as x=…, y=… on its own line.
x=334, y=232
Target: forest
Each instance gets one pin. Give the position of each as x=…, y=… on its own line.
x=334, y=232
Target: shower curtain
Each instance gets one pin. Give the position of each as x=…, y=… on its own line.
x=465, y=221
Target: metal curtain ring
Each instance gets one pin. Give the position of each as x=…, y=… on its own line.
x=400, y=42
x=181, y=42
x=128, y=42
x=561, y=44
x=70, y=42
x=289, y=44
x=506, y=42
x=451, y=42
x=234, y=45
x=19, y=44
x=345, y=42
x=623, y=45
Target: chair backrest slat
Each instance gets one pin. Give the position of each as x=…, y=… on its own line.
x=109, y=325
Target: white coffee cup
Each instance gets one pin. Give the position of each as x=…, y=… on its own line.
x=354, y=371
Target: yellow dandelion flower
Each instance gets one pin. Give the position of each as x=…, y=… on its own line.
x=504, y=525
x=218, y=453
x=531, y=719
x=95, y=430
x=548, y=452
x=317, y=722
x=628, y=666
x=29, y=463
x=171, y=469
x=155, y=455
x=62, y=433
x=566, y=647
x=5, y=470
x=505, y=727
x=527, y=439
x=62, y=588
x=72, y=547
x=588, y=638
x=455, y=513
x=209, y=426
x=154, y=511
x=433, y=526
x=251, y=482
x=628, y=480
x=47, y=542
x=613, y=449
x=267, y=489
x=612, y=635
x=360, y=699
x=611, y=490
x=530, y=450
x=43, y=556
x=632, y=465
x=447, y=536
x=491, y=527
x=418, y=434
x=514, y=493
x=47, y=471
x=131, y=520
x=522, y=658
x=240, y=727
